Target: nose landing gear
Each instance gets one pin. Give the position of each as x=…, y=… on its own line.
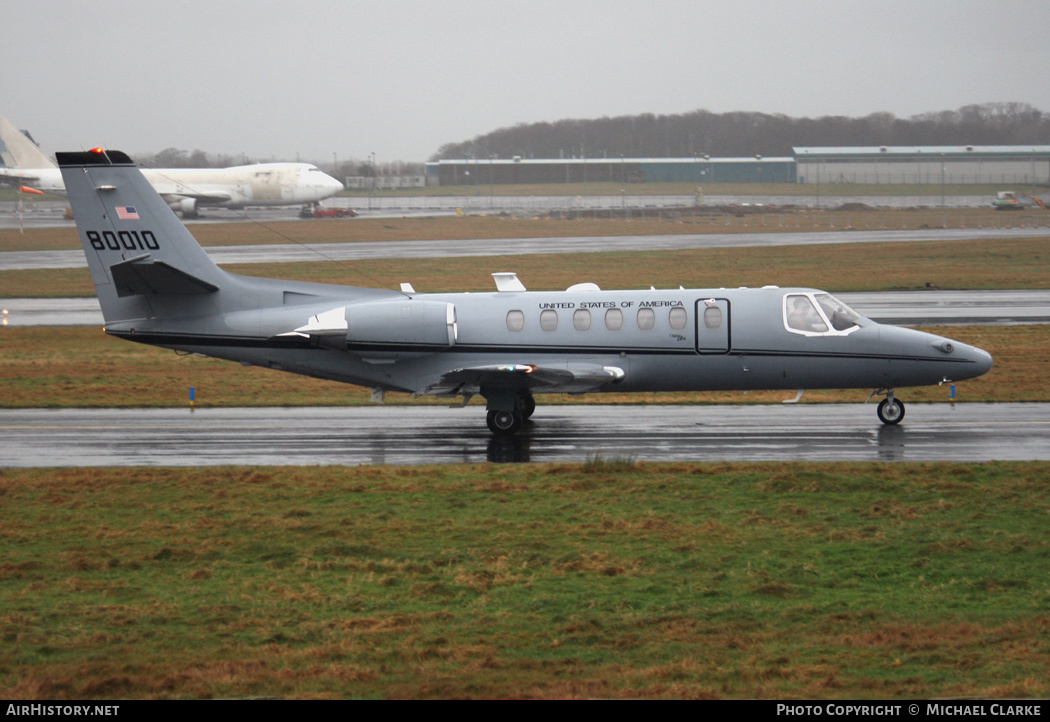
x=890, y=410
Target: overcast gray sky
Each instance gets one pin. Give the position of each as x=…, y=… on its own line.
x=402, y=77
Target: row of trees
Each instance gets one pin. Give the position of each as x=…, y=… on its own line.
x=697, y=133
x=745, y=134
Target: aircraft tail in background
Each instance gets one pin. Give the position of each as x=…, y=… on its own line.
x=23, y=165
x=18, y=152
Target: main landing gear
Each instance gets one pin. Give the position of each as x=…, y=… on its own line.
x=504, y=423
x=890, y=410
x=507, y=422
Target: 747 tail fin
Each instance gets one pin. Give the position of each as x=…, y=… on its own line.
x=17, y=151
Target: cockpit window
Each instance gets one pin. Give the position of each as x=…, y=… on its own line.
x=818, y=314
x=802, y=315
x=842, y=317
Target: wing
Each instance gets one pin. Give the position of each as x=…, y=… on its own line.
x=573, y=378
x=203, y=196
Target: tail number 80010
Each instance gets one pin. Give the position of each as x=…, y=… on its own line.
x=123, y=240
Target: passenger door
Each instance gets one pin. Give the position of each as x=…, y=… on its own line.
x=712, y=325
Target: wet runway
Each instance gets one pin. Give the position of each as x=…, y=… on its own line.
x=437, y=435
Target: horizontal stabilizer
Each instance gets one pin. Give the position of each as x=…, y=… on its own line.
x=206, y=196
x=15, y=177
x=138, y=276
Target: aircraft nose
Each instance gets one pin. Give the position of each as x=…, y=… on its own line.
x=982, y=359
x=961, y=361
x=333, y=184
x=979, y=361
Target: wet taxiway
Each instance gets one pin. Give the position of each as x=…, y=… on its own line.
x=299, y=253
x=435, y=435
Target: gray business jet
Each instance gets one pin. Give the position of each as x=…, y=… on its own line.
x=157, y=286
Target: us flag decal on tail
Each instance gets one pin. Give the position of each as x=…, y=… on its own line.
x=127, y=213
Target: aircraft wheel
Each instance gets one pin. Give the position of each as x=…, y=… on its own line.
x=528, y=406
x=504, y=423
x=891, y=411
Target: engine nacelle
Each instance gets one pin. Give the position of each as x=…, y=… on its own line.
x=187, y=207
x=400, y=326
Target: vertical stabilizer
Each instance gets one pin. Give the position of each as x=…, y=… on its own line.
x=144, y=262
x=18, y=152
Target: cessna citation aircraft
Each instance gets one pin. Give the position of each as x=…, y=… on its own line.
x=185, y=190
x=157, y=286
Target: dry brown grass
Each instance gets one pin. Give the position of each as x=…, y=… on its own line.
x=977, y=264
x=479, y=226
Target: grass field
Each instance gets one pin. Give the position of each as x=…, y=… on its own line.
x=606, y=579
x=977, y=264
x=46, y=367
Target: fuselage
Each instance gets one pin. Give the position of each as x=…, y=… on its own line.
x=263, y=184
x=662, y=340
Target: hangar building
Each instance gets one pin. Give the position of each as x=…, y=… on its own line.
x=933, y=165
x=925, y=164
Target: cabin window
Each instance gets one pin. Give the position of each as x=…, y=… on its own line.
x=712, y=317
x=515, y=320
x=614, y=319
x=549, y=320
x=646, y=319
x=581, y=319
x=677, y=317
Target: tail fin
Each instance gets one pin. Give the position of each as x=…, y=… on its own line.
x=17, y=151
x=143, y=261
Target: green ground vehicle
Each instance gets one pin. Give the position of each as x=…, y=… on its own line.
x=1010, y=201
